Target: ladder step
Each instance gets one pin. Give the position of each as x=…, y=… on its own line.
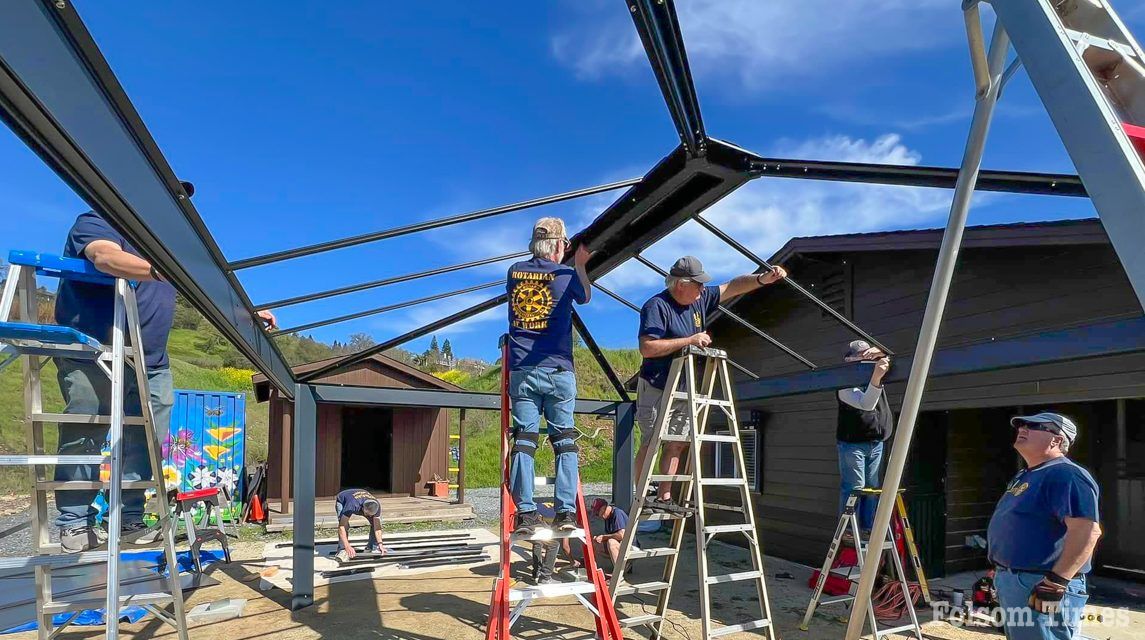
x=654, y=552
x=729, y=528
x=674, y=477
x=552, y=590
x=661, y=515
x=138, y=600
x=735, y=577
x=723, y=482
x=636, y=621
x=82, y=418
x=683, y=395
x=628, y=588
x=544, y=481
x=736, y=628
x=87, y=485
x=706, y=437
x=57, y=560
x=15, y=461
x=544, y=535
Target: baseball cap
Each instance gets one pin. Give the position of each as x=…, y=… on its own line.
x=1065, y=426
x=856, y=349
x=598, y=506
x=691, y=268
x=549, y=229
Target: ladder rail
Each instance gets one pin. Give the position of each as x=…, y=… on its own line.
x=115, y=436
x=695, y=413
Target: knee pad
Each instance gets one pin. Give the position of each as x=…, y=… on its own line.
x=519, y=440
x=563, y=440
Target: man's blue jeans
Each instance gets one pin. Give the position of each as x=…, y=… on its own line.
x=859, y=469
x=1023, y=623
x=548, y=392
x=87, y=389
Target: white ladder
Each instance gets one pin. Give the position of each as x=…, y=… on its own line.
x=1089, y=72
x=36, y=343
x=715, y=390
x=849, y=523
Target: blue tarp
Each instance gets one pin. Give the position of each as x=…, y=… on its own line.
x=95, y=617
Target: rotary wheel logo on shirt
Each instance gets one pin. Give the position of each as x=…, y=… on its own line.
x=532, y=304
x=1019, y=489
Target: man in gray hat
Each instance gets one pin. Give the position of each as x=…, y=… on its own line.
x=1043, y=532
x=863, y=423
x=670, y=321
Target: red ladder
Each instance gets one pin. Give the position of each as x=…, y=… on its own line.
x=596, y=588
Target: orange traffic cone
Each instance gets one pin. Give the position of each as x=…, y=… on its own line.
x=256, y=513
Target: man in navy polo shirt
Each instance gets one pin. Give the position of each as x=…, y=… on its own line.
x=541, y=379
x=1043, y=532
x=670, y=321
x=358, y=502
x=86, y=388
x=615, y=524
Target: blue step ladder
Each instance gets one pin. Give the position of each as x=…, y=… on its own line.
x=35, y=343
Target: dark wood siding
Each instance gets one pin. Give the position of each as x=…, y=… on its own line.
x=422, y=437
x=997, y=292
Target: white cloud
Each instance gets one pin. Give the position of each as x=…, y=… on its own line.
x=760, y=43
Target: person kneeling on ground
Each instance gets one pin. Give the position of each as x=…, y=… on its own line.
x=358, y=502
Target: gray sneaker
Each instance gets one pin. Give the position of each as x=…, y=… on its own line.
x=83, y=538
x=139, y=534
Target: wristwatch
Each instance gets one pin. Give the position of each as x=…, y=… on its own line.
x=155, y=275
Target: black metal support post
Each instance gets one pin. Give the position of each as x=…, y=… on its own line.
x=623, y=448
x=659, y=31
x=322, y=247
x=330, y=293
x=392, y=307
x=749, y=326
x=617, y=297
x=747, y=253
x=305, y=438
x=597, y=354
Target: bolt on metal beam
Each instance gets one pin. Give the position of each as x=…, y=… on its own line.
x=322, y=247
x=379, y=310
x=330, y=293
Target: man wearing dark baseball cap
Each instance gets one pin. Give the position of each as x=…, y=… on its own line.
x=670, y=321
x=864, y=421
x=1043, y=532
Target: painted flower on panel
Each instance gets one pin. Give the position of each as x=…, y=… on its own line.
x=222, y=434
x=203, y=478
x=181, y=447
x=171, y=477
x=216, y=451
x=229, y=480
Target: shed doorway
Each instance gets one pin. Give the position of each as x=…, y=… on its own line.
x=367, y=448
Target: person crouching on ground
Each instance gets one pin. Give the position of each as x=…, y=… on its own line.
x=358, y=502
x=615, y=524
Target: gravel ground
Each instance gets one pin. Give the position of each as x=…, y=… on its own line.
x=487, y=501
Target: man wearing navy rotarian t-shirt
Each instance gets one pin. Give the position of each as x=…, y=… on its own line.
x=1043, y=532
x=541, y=379
x=670, y=321
x=86, y=389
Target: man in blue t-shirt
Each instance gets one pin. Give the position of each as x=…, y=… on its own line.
x=541, y=379
x=615, y=523
x=358, y=502
x=86, y=388
x=1043, y=532
x=670, y=321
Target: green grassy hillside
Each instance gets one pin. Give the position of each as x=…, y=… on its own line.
x=483, y=444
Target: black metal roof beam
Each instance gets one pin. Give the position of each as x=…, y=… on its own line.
x=1048, y=184
x=385, y=309
x=322, y=247
x=405, y=337
x=747, y=253
x=342, y=394
x=749, y=326
x=59, y=95
x=659, y=31
x=330, y=293
x=1091, y=341
x=598, y=355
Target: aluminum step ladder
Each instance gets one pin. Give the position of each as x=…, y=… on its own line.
x=1089, y=72
x=714, y=390
x=509, y=601
x=36, y=343
x=849, y=526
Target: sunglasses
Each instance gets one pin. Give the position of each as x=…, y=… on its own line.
x=1041, y=426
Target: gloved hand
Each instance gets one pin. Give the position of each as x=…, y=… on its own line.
x=1047, y=595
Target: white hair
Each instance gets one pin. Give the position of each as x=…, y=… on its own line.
x=545, y=248
x=671, y=281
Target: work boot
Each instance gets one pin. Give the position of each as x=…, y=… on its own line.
x=527, y=523
x=82, y=538
x=564, y=521
x=139, y=534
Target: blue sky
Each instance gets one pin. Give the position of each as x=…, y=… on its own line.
x=321, y=120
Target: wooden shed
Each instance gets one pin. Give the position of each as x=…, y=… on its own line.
x=394, y=451
x=1011, y=281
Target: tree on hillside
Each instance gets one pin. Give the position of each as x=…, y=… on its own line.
x=447, y=350
x=360, y=342
x=433, y=348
